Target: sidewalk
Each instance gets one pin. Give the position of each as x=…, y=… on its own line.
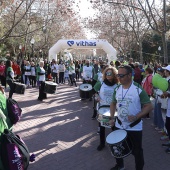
x=60, y=132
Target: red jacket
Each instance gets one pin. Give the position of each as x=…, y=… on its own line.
x=16, y=69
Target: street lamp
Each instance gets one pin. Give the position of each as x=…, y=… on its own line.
x=20, y=48
x=159, y=49
x=32, y=44
x=40, y=54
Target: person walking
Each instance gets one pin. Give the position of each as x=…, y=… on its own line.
x=147, y=84
x=129, y=97
x=41, y=79
x=33, y=74
x=2, y=74
x=10, y=77
x=61, y=68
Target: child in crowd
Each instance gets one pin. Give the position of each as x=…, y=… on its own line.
x=66, y=76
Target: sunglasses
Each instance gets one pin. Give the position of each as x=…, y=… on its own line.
x=109, y=74
x=121, y=75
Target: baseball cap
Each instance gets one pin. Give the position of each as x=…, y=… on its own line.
x=167, y=68
x=160, y=69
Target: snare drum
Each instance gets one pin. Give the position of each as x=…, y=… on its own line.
x=119, y=143
x=103, y=116
x=50, y=87
x=85, y=91
x=19, y=88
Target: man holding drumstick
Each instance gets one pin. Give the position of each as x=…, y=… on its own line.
x=128, y=98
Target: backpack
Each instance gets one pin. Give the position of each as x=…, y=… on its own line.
x=14, y=110
x=13, y=152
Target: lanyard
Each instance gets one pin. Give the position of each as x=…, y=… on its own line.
x=124, y=95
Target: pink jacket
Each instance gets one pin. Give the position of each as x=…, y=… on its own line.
x=147, y=84
x=2, y=69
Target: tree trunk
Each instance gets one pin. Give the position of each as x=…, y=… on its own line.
x=165, y=53
x=140, y=52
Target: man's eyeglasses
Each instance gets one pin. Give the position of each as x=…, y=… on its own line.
x=109, y=74
x=121, y=75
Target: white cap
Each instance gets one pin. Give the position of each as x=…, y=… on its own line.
x=167, y=68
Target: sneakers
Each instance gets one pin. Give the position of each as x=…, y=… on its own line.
x=167, y=150
x=100, y=147
x=152, y=125
x=162, y=132
x=117, y=167
x=158, y=129
x=93, y=118
x=166, y=144
x=165, y=137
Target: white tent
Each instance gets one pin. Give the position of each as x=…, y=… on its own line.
x=82, y=44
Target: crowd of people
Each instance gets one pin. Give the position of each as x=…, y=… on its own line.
x=127, y=89
x=124, y=89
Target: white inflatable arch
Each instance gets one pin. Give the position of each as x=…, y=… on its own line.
x=82, y=44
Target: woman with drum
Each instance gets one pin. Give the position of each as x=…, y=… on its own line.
x=104, y=92
x=10, y=77
x=41, y=79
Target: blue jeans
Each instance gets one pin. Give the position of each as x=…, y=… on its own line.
x=158, y=120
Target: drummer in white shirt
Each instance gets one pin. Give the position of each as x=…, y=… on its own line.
x=55, y=71
x=41, y=79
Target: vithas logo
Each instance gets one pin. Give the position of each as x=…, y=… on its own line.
x=70, y=43
x=81, y=43
x=85, y=43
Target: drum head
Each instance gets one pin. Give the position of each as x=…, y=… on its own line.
x=51, y=83
x=105, y=111
x=85, y=87
x=116, y=136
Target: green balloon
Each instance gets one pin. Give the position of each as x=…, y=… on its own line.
x=162, y=84
x=155, y=80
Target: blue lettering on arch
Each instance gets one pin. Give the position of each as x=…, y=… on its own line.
x=85, y=43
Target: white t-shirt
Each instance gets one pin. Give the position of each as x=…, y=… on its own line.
x=42, y=77
x=87, y=72
x=129, y=103
x=106, y=94
x=55, y=68
x=61, y=67
x=33, y=73
x=72, y=69
x=27, y=73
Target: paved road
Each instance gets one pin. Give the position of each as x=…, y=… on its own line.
x=61, y=133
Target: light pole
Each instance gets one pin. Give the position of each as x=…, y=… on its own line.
x=159, y=49
x=40, y=54
x=32, y=45
x=20, y=55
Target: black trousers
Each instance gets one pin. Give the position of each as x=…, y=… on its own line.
x=12, y=87
x=33, y=81
x=3, y=80
x=167, y=125
x=102, y=134
x=42, y=95
x=77, y=75
x=137, y=151
x=55, y=77
x=61, y=77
